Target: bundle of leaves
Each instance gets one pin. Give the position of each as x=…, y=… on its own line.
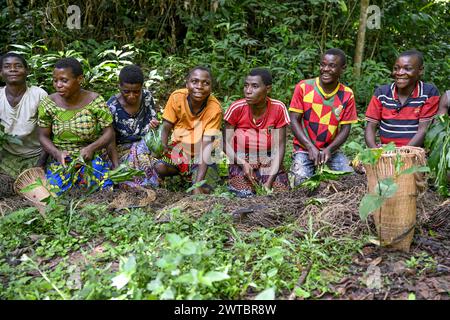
x=75, y=168
x=7, y=138
x=154, y=143
x=437, y=141
x=322, y=174
x=124, y=173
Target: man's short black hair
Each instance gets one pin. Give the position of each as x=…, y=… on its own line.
x=131, y=74
x=199, y=68
x=339, y=53
x=413, y=52
x=263, y=73
x=13, y=55
x=70, y=63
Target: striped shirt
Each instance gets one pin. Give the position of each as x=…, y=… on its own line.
x=252, y=135
x=400, y=122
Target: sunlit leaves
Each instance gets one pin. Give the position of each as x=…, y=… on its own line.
x=437, y=140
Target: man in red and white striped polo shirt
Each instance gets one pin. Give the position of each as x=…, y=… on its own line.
x=404, y=109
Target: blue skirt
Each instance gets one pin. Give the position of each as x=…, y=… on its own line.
x=62, y=180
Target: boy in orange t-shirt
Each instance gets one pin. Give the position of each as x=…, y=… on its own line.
x=194, y=116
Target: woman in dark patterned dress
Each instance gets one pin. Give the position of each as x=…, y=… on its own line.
x=133, y=110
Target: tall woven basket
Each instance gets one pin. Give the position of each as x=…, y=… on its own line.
x=396, y=219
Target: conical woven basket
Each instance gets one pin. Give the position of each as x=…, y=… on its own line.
x=29, y=177
x=396, y=219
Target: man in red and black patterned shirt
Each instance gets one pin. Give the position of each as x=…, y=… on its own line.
x=405, y=108
x=321, y=112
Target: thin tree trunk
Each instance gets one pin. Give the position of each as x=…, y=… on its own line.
x=361, y=38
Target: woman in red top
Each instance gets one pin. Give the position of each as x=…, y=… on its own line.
x=255, y=138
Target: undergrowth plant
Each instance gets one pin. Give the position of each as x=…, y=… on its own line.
x=386, y=187
x=322, y=174
x=437, y=140
x=92, y=253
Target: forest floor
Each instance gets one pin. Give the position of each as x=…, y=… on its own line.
x=373, y=273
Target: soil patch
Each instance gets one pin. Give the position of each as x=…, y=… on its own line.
x=378, y=273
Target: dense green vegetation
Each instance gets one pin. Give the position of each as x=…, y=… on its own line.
x=74, y=252
x=169, y=37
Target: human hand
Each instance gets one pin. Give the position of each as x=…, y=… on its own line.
x=268, y=185
x=198, y=190
x=154, y=123
x=61, y=157
x=325, y=155
x=114, y=165
x=87, y=153
x=314, y=155
x=248, y=172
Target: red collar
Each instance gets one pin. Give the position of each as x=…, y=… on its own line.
x=415, y=93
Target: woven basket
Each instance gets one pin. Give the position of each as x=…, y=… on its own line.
x=396, y=219
x=28, y=177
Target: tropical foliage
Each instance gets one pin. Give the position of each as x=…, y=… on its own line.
x=169, y=37
x=437, y=141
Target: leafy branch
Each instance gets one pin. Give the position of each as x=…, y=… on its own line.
x=437, y=140
x=322, y=174
x=385, y=188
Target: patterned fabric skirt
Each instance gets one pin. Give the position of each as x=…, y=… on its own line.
x=139, y=157
x=188, y=168
x=243, y=187
x=62, y=180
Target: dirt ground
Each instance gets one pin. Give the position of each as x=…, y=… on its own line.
x=376, y=272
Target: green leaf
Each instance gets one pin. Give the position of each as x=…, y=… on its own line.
x=128, y=266
x=386, y=188
x=154, y=285
x=433, y=132
x=415, y=169
x=120, y=281
x=174, y=239
x=268, y=294
x=272, y=272
x=398, y=163
x=196, y=185
x=169, y=262
x=390, y=147
x=343, y=6
x=188, y=248
x=302, y=293
x=30, y=187
x=334, y=172
x=355, y=146
x=188, y=278
x=370, y=156
x=168, y=294
x=370, y=203
x=433, y=159
x=214, y=276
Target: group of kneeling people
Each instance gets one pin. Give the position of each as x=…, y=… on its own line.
x=75, y=122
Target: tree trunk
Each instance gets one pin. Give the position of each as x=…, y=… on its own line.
x=364, y=4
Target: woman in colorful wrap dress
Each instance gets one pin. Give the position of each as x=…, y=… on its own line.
x=134, y=115
x=74, y=124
